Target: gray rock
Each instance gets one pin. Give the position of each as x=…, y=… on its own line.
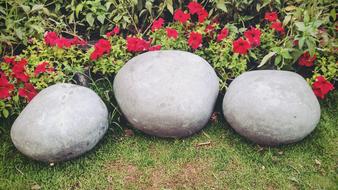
x=62, y=122
x=167, y=93
x=271, y=107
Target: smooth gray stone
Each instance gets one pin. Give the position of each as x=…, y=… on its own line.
x=167, y=93
x=62, y=122
x=271, y=107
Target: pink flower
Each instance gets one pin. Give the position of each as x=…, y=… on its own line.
x=155, y=48
x=271, y=16
x=137, y=45
x=172, y=33
x=253, y=36
x=180, y=16
x=223, y=34
x=241, y=46
x=115, y=31
x=278, y=27
x=157, y=24
x=101, y=47
x=195, y=40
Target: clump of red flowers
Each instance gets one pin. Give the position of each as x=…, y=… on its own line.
x=172, y=33
x=19, y=71
x=278, y=26
x=157, y=24
x=101, y=47
x=253, y=36
x=181, y=17
x=271, y=16
x=241, y=46
x=28, y=91
x=306, y=60
x=42, y=68
x=321, y=87
x=223, y=34
x=115, y=31
x=52, y=39
x=155, y=48
x=5, y=86
x=195, y=40
x=196, y=8
x=135, y=44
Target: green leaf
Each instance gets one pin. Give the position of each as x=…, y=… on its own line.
x=78, y=8
x=301, y=42
x=300, y=26
x=333, y=14
x=278, y=59
x=101, y=18
x=37, y=7
x=25, y=8
x=266, y=58
x=221, y=5
x=90, y=19
x=170, y=6
x=5, y=113
x=19, y=33
x=286, y=20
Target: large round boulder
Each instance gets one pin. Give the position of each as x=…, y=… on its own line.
x=271, y=107
x=63, y=121
x=167, y=93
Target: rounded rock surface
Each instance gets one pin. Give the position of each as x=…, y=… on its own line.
x=62, y=122
x=271, y=107
x=167, y=93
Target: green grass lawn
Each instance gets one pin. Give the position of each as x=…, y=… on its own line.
x=227, y=162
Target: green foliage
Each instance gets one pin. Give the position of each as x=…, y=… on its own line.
x=22, y=20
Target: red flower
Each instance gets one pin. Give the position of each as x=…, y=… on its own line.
x=78, y=41
x=63, y=42
x=253, y=36
x=295, y=42
x=240, y=46
x=223, y=34
x=5, y=86
x=202, y=15
x=321, y=87
x=306, y=60
x=157, y=24
x=41, y=68
x=50, y=38
x=210, y=28
x=195, y=40
x=9, y=60
x=27, y=92
x=172, y=33
x=137, y=45
x=115, y=31
x=196, y=8
x=271, y=16
x=101, y=47
x=155, y=48
x=19, y=70
x=278, y=27
x=180, y=16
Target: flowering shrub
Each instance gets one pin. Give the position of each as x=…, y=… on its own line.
x=231, y=49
